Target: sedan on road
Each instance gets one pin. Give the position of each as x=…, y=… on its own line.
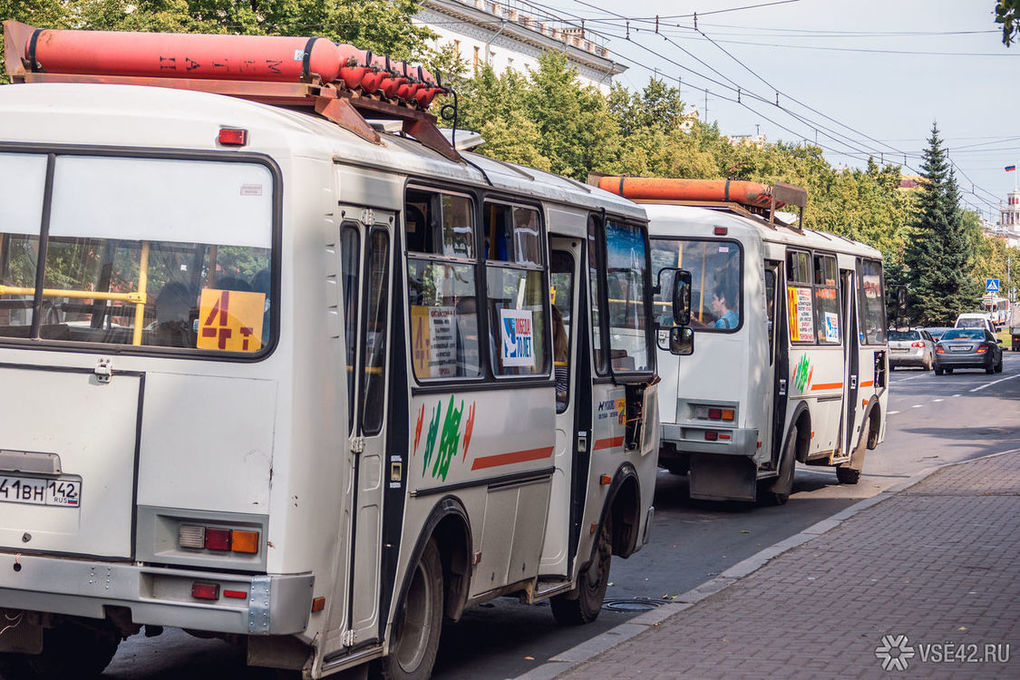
x=968, y=348
x=911, y=348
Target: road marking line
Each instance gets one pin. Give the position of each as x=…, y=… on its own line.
x=976, y=389
x=956, y=395
x=892, y=413
x=917, y=406
x=936, y=401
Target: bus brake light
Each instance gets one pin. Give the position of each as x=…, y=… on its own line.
x=217, y=539
x=711, y=435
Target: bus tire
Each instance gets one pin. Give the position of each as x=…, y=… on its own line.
x=419, y=622
x=70, y=650
x=778, y=492
x=583, y=603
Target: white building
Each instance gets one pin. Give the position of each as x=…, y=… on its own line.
x=506, y=34
x=1008, y=226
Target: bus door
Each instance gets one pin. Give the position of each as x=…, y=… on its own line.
x=853, y=410
x=366, y=255
x=779, y=355
x=572, y=402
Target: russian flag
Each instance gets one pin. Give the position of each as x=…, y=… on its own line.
x=1010, y=168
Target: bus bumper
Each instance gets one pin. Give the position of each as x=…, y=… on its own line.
x=695, y=439
x=271, y=605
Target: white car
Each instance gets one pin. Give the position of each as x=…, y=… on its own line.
x=975, y=320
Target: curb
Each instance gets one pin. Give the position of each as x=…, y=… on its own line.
x=575, y=656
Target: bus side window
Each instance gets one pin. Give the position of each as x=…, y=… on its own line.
x=516, y=289
x=562, y=271
x=441, y=293
x=349, y=257
x=377, y=275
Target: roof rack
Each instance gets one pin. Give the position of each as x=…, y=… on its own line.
x=346, y=86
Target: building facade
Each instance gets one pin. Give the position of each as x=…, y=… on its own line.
x=1008, y=226
x=507, y=34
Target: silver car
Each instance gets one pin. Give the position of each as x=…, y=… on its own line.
x=911, y=348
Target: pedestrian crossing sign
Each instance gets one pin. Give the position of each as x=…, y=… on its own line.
x=991, y=285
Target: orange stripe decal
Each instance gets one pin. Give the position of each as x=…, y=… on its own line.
x=511, y=458
x=610, y=443
x=826, y=386
x=867, y=383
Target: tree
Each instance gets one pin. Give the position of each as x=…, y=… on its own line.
x=940, y=251
x=1007, y=13
x=383, y=26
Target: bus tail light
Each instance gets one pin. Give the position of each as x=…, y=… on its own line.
x=190, y=536
x=236, y=594
x=244, y=541
x=711, y=435
x=714, y=413
x=205, y=591
x=217, y=539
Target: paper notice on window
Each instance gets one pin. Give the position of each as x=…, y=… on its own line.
x=231, y=320
x=433, y=341
x=801, y=311
x=831, y=327
x=517, y=332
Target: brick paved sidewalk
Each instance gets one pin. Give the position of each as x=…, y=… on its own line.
x=938, y=562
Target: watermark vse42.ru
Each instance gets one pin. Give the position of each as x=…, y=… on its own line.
x=896, y=652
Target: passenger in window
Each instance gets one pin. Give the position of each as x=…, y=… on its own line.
x=561, y=359
x=175, y=305
x=232, y=283
x=725, y=317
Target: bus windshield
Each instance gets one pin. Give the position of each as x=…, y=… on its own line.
x=715, y=276
x=627, y=270
x=130, y=258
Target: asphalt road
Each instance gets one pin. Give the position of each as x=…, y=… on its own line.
x=932, y=420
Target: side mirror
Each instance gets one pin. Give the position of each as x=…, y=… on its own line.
x=681, y=297
x=681, y=340
x=680, y=294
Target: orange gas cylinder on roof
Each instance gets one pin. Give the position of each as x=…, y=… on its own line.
x=683, y=190
x=181, y=55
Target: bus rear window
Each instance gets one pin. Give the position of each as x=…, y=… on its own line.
x=148, y=252
x=715, y=277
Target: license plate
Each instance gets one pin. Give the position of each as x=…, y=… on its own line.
x=61, y=492
x=900, y=349
x=959, y=349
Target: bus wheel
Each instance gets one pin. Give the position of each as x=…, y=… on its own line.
x=70, y=650
x=850, y=472
x=582, y=604
x=778, y=492
x=415, y=638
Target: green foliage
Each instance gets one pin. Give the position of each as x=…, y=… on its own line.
x=383, y=26
x=1007, y=13
x=940, y=248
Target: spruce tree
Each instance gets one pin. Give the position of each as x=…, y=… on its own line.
x=939, y=254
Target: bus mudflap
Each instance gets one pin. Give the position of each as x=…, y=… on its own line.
x=722, y=478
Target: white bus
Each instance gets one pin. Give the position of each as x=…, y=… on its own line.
x=789, y=361
x=267, y=380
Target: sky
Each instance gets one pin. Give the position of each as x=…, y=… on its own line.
x=862, y=77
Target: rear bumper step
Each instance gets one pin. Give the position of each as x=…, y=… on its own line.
x=274, y=604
